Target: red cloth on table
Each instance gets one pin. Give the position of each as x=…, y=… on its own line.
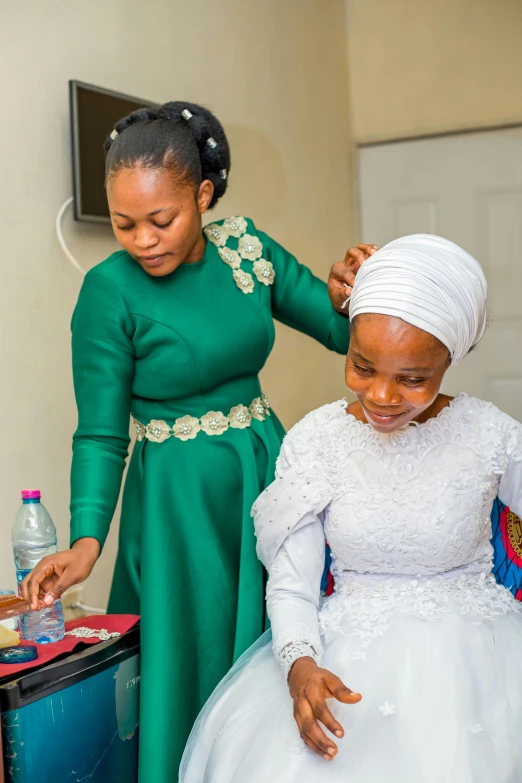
x=47, y=652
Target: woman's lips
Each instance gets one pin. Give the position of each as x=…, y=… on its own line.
x=382, y=418
x=153, y=260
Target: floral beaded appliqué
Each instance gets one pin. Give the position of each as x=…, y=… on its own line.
x=212, y=423
x=249, y=248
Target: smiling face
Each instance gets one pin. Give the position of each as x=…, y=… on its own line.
x=395, y=370
x=157, y=218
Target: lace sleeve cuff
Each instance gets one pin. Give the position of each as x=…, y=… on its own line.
x=289, y=654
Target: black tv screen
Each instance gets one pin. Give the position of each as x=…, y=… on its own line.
x=94, y=111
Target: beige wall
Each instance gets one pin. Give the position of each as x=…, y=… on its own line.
x=274, y=72
x=424, y=66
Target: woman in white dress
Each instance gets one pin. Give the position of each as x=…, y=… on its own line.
x=410, y=672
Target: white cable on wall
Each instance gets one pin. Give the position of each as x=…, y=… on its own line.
x=79, y=604
x=61, y=240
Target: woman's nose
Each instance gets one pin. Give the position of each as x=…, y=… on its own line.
x=145, y=238
x=382, y=392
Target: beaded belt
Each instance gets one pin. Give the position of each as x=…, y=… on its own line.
x=212, y=423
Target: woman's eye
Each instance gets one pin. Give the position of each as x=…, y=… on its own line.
x=123, y=228
x=362, y=370
x=413, y=381
x=163, y=225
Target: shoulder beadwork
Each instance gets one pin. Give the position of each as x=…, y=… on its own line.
x=311, y=446
x=238, y=247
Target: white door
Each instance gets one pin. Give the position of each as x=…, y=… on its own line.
x=467, y=188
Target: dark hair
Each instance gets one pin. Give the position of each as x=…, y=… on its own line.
x=183, y=137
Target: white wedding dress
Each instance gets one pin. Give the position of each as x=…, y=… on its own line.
x=417, y=624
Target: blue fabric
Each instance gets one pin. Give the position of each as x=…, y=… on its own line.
x=507, y=571
x=327, y=564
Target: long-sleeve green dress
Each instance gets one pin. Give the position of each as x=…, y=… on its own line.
x=182, y=354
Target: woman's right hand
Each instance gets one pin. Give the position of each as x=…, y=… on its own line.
x=54, y=574
x=342, y=275
x=310, y=686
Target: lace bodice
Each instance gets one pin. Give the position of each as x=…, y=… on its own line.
x=415, y=504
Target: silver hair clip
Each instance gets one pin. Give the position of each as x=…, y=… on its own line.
x=186, y=114
x=114, y=134
x=212, y=143
x=223, y=174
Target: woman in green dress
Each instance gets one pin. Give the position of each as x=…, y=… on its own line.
x=173, y=330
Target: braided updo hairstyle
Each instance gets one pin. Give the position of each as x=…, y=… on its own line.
x=184, y=138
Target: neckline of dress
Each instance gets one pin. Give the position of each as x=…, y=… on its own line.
x=446, y=411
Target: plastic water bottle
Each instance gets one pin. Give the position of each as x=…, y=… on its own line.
x=34, y=537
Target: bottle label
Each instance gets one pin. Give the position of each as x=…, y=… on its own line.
x=21, y=573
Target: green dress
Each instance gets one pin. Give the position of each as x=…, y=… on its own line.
x=171, y=351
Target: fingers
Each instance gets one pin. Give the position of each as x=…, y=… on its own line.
x=339, y=292
x=356, y=256
x=322, y=712
x=343, y=273
x=316, y=749
x=31, y=586
x=369, y=250
x=56, y=573
x=59, y=587
x=339, y=690
x=47, y=584
x=311, y=733
x=310, y=707
x=346, y=695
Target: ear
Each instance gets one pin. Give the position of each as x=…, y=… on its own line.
x=204, y=195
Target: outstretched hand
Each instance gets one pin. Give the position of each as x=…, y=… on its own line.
x=310, y=687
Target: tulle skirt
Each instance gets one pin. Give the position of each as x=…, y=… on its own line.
x=442, y=703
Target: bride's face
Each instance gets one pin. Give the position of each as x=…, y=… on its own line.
x=394, y=369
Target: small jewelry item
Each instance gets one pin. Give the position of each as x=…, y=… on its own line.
x=223, y=174
x=211, y=142
x=22, y=654
x=186, y=114
x=91, y=633
x=114, y=134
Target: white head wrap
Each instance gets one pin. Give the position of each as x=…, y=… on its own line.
x=428, y=282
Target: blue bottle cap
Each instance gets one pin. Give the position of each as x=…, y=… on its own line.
x=22, y=654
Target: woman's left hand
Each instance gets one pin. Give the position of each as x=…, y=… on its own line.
x=342, y=275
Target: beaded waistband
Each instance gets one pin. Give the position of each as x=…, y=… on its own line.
x=464, y=578
x=212, y=423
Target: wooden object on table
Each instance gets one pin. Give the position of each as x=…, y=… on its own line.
x=11, y=606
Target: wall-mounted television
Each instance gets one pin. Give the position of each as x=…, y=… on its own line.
x=94, y=111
